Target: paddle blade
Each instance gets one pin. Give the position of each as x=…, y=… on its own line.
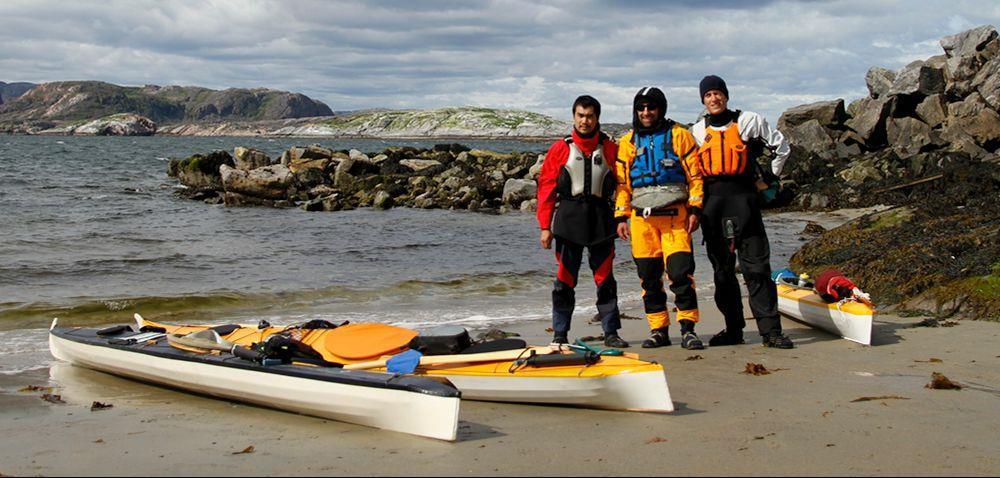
x=405, y=362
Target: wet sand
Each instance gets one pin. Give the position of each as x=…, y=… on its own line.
x=798, y=420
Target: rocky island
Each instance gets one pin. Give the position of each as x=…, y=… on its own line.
x=98, y=108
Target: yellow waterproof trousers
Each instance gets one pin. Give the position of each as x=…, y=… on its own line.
x=661, y=243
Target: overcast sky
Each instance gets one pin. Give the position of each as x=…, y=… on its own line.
x=512, y=54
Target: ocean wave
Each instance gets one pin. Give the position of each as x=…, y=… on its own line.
x=27, y=368
x=399, y=298
x=513, y=280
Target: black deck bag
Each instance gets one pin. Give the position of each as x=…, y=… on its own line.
x=496, y=346
x=441, y=340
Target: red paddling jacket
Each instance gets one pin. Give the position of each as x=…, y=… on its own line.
x=576, y=189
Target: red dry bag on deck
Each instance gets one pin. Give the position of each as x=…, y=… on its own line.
x=833, y=286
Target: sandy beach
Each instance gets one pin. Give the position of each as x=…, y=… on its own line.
x=800, y=419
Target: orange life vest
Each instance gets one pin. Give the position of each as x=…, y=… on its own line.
x=723, y=153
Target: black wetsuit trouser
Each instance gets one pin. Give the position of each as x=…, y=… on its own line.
x=570, y=256
x=750, y=245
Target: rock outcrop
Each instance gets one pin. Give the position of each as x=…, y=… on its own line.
x=946, y=103
x=928, y=144
x=117, y=125
x=316, y=178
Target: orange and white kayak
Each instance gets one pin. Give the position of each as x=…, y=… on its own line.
x=614, y=382
x=851, y=320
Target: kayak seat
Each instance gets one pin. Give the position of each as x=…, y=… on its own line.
x=224, y=330
x=113, y=330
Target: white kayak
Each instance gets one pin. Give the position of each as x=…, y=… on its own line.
x=415, y=405
x=848, y=319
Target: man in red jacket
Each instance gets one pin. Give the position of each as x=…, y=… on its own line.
x=576, y=211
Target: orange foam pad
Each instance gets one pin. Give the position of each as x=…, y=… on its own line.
x=361, y=341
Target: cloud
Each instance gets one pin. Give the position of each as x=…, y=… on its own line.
x=503, y=53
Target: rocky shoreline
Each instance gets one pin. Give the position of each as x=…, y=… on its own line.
x=315, y=178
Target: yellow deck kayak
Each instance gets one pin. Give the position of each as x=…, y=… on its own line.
x=850, y=320
x=614, y=382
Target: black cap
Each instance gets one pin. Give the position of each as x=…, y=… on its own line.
x=712, y=82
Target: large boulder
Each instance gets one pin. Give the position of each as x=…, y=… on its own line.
x=829, y=114
x=358, y=156
x=907, y=135
x=955, y=139
x=486, y=156
x=918, y=79
x=382, y=200
x=202, y=171
x=967, y=108
x=987, y=82
x=860, y=172
x=250, y=158
x=967, y=52
x=321, y=164
x=420, y=165
x=933, y=110
x=269, y=182
x=536, y=169
x=308, y=178
x=869, y=121
x=515, y=191
x=984, y=128
x=313, y=151
x=970, y=42
x=342, y=177
x=810, y=139
x=879, y=81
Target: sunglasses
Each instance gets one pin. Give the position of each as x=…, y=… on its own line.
x=645, y=106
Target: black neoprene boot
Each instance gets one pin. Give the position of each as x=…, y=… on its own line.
x=726, y=338
x=778, y=340
x=657, y=338
x=690, y=341
x=613, y=340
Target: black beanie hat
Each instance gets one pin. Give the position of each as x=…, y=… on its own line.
x=712, y=82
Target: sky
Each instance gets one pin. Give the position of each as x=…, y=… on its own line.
x=533, y=55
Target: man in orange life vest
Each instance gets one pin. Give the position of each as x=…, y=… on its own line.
x=660, y=192
x=575, y=190
x=729, y=143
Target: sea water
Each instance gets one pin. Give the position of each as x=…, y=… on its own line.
x=92, y=231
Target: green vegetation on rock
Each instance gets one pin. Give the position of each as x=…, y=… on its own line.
x=469, y=120
x=940, y=249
